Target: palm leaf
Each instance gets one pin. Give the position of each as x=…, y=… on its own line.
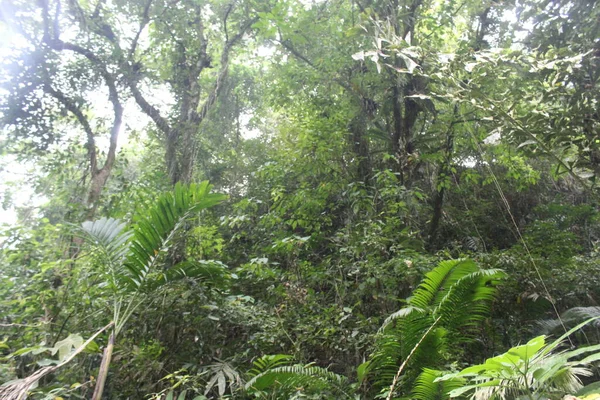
x=269, y=361
x=437, y=282
x=110, y=237
x=477, y=289
x=308, y=377
x=569, y=317
x=155, y=231
x=110, y=242
x=208, y=271
x=133, y=256
x=535, y=368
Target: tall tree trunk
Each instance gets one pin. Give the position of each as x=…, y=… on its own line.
x=97, y=183
x=180, y=134
x=397, y=135
x=440, y=188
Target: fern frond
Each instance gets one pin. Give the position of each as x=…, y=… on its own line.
x=431, y=291
x=309, y=377
x=458, y=295
x=274, y=373
x=477, y=289
x=207, y=271
x=269, y=361
x=402, y=313
x=427, y=388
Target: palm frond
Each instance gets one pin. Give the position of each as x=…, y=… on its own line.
x=110, y=242
x=133, y=256
x=308, y=377
x=477, y=289
x=223, y=375
x=570, y=317
x=207, y=271
x=109, y=236
x=269, y=361
x=155, y=231
x=536, y=368
x=437, y=282
x=402, y=313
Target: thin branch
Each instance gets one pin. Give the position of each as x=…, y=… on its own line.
x=59, y=45
x=85, y=124
x=23, y=325
x=145, y=21
x=288, y=46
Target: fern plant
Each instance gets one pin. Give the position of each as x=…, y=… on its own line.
x=276, y=377
x=443, y=313
x=428, y=387
x=131, y=261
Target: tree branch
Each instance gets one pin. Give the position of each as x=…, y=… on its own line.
x=288, y=46
x=85, y=124
x=145, y=21
x=151, y=111
x=57, y=44
x=98, y=175
x=224, y=70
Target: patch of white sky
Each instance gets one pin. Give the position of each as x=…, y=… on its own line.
x=15, y=175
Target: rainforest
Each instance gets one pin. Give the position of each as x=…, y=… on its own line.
x=299, y=199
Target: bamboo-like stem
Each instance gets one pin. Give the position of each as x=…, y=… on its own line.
x=103, y=372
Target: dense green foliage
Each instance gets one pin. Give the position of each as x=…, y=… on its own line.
x=403, y=199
